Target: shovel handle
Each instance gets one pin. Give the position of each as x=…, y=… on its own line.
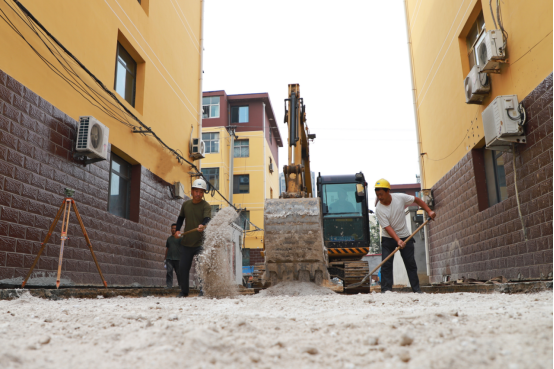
x=388, y=257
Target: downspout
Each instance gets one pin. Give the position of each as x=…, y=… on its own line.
x=263, y=143
x=231, y=153
x=414, y=97
x=201, y=80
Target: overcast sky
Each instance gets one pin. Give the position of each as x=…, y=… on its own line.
x=351, y=61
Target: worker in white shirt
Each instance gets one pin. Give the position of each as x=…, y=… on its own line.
x=391, y=216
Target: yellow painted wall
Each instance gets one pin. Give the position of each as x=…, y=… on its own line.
x=254, y=167
x=165, y=36
x=448, y=127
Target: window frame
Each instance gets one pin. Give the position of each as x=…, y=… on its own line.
x=210, y=107
x=211, y=140
x=472, y=50
x=134, y=92
x=236, y=184
x=119, y=160
x=238, y=116
x=207, y=176
x=491, y=165
x=241, y=147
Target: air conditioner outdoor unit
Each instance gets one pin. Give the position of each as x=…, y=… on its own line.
x=197, y=149
x=491, y=51
x=477, y=86
x=92, y=138
x=503, y=123
x=179, y=190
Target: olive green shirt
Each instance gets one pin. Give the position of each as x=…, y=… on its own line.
x=173, y=251
x=194, y=214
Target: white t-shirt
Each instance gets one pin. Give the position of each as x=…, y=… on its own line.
x=393, y=215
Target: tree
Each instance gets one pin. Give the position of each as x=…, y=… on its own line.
x=374, y=235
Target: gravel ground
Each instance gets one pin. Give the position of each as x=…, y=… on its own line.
x=390, y=330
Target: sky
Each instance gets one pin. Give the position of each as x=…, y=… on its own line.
x=351, y=61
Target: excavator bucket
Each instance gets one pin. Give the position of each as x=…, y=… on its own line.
x=294, y=249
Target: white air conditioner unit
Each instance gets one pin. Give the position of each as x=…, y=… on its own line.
x=491, y=50
x=179, y=190
x=503, y=123
x=92, y=138
x=197, y=149
x=477, y=86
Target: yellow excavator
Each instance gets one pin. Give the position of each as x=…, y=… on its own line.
x=293, y=243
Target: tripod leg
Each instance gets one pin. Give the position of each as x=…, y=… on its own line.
x=88, y=242
x=65, y=224
x=52, y=227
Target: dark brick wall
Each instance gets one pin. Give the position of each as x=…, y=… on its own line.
x=256, y=256
x=483, y=244
x=36, y=163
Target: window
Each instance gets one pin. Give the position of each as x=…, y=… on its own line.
x=242, y=149
x=243, y=220
x=474, y=39
x=241, y=183
x=212, y=175
x=239, y=114
x=125, y=75
x=210, y=107
x=211, y=141
x=495, y=177
x=120, y=187
x=215, y=209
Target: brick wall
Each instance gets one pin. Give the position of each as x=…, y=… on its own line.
x=465, y=241
x=256, y=256
x=36, y=163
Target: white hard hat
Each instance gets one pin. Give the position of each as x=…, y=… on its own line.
x=200, y=183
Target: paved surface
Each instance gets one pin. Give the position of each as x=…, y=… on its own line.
x=393, y=330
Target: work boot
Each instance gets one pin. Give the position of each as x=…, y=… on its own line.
x=418, y=291
x=181, y=294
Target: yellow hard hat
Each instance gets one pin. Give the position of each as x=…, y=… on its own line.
x=382, y=183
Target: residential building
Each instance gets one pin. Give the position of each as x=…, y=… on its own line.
x=253, y=175
x=478, y=232
x=148, y=60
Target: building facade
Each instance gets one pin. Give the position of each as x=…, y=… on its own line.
x=113, y=62
x=254, y=174
x=478, y=232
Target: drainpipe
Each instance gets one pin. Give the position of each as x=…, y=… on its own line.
x=201, y=80
x=231, y=131
x=414, y=97
x=263, y=143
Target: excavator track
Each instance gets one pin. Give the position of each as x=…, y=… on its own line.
x=293, y=241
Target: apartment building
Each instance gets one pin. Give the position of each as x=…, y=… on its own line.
x=491, y=220
x=116, y=60
x=241, y=161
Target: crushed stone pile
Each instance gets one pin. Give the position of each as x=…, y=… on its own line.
x=215, y=270
x=295, y=288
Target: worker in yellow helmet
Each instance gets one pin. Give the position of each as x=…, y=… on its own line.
x=391, y=216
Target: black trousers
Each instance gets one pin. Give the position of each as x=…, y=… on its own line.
x=187, y=255
x=388, y=245
x=171, y=265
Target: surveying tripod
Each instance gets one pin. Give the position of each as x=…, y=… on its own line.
x=65, y=208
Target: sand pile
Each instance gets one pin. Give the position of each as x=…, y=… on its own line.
x=295, y=288
x=215, y=270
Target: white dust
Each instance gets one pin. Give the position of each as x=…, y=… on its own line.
x=215, y=267
x=295, y=288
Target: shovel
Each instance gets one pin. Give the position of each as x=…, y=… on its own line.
x=354, y=285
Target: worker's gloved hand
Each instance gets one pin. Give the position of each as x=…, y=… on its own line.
x=401, y=244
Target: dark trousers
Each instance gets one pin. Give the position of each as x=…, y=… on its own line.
x=171, y=265
x=187, y=255
x=388, y=245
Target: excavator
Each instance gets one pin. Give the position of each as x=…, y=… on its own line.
x=299, y=226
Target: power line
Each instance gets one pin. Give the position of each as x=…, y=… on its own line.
x=76, y=80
